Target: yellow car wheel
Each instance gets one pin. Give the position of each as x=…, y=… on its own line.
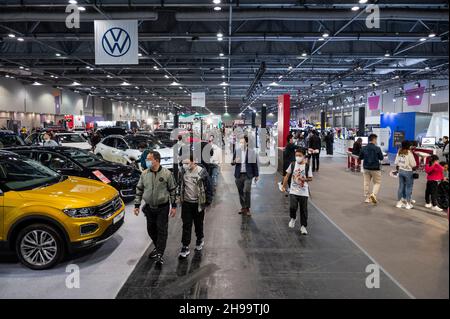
x=39, y=246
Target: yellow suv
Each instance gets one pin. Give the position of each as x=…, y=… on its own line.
x=44, y=215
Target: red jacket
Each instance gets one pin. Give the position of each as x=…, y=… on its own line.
x=434, y=172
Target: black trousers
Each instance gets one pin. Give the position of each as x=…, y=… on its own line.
x=431, y=192
x=190, y=215
x=295, y=202
x=157, y=225
x=315, y=162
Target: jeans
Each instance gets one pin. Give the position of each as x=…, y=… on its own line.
x=157, y=225
x=374, y=176
x=214, y=173
x=431, y=192
x=295, y=202
x=190, y=215
x=406, y=183
x=244, y=186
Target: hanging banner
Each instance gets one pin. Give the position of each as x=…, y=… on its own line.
x=198, y=99
x=415, y=92
x=116, y=42
x=374, y=100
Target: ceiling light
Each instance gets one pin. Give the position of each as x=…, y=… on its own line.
x=219, y=39
x=11, y=35
x=139, y=54
x=58, y=54
x=223, y=76
x=125, y=83
x=174, y=83
x=362, y=1
x=422, y=39
x=355, y=8
x=75, y=83
x=217, y=8
x=222, y=68
x=326, y=34
x=36, y=83
x=221, y=54
x=82, y=8
x=20, y=39
x=432, y=35
x=217, y=1
x=21, y=67
x=274, y=84
x=304, y=54
x=290, y=67
x=73, y=2
x=166, y=76
x=433, y=94
x=224, y=84
x=387, y=54
x=321, y=39
x=427, y=68
x=108, y=76
x=156, y=68
x=220, y=35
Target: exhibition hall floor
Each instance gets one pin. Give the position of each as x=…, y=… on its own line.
x=260, y=257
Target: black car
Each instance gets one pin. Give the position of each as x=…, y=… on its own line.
x=165, y=137
x=107, y=131
x=10, y=139
x=76, y=162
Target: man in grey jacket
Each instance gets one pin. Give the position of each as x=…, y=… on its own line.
x=158, y=189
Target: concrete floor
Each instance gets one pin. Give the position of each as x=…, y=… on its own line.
x=411, y=245
x=259, y=257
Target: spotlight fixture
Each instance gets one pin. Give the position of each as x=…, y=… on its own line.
x=355, y=8
x=217, y=1
x=58, y=54
x=387, y=54
x=20, y=39
x=326, y=34
x=217, y=8
x=422, y=39
x=11, y=35
x=363, y=1
x=432, y=34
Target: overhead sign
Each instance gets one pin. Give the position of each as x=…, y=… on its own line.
x=116, y=42
x=198, y=99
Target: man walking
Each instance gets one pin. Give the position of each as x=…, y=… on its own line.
x=315, y=144
x=246, y=168
x=195, y=195
x=214, y=162
x=158, y=189
x=371, y=155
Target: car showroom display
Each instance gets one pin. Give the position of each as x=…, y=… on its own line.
x=10, y=139
x=125, y=149
x=71, y=161
x=62, y=138
x=47, y=215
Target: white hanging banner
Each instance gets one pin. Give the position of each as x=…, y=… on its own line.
x=116, y=42
x=198, y=99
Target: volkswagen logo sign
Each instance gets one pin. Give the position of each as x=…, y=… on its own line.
x=116, y=42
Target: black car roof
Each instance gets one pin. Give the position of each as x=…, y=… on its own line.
x=40, y=147
x=7, y=132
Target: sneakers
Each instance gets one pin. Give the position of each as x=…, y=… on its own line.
x=153, y=254
x=409, y=206
x=400, y=204
x=413, y=201
x=292, y=223
x=159, y=260
x=303, y=230
x=428, y=205
x=373, y=198
x=184, y=252
x=437, y=209
x=200, y=245
x=367, y=201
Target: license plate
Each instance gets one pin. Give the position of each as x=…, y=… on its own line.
x=118, y=217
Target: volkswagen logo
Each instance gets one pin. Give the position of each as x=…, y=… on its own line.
x=116, y=42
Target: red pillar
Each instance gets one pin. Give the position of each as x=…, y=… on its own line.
x=284, y=116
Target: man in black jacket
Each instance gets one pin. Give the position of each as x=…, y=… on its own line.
x=371, y=155
x=246, y=168
x=315, y=143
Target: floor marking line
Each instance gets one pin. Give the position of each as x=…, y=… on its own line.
x=410, y=295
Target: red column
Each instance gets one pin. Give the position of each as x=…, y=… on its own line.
x=284, y=116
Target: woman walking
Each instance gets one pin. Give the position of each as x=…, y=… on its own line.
x=406, y=165
x=435, y=174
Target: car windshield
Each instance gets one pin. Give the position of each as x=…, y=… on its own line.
x=20, y=174
x=84, y=158
x=134, y=141
x=70, y=138
x=9, y=140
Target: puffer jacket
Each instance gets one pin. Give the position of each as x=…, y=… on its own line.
x=205, y=192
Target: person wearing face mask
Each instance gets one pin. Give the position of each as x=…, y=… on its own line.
x=48, y=141
x=143, y=148
x=158, y=189
x=195, y=194
x=246, y=168
x=300, y=173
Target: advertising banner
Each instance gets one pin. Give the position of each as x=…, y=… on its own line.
x=415, y=93
x=198, y=99
x=116, y=42
x=374, y=100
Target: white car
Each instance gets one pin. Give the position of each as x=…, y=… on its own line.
x=62, y=138
x=125, y=149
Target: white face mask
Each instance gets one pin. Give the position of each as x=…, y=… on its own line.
x=186, y=166
x=299, y=159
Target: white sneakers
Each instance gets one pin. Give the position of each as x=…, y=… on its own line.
x=437, y=209
x=367, y=201
x=400, y=204
x=292, y=223
x=303, y=230
x=428, y=205
x=409, y=206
